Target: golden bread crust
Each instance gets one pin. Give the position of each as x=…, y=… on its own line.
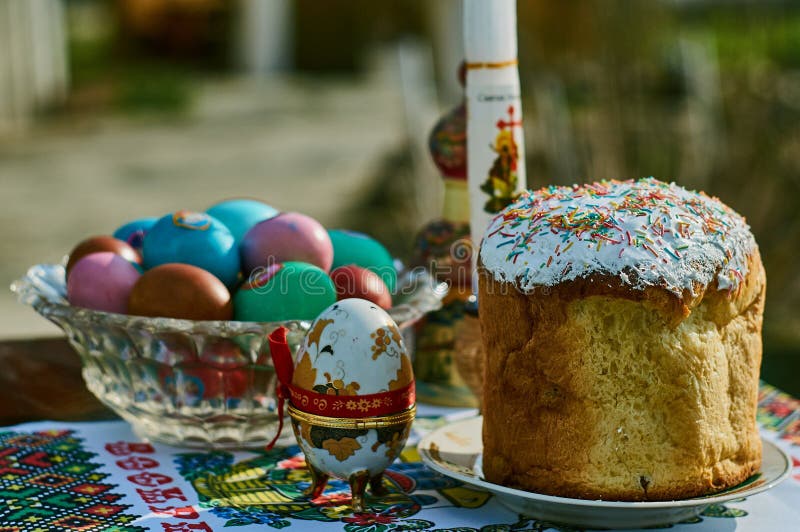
x=597, y=390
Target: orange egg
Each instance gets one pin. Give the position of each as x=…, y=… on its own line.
x=183, y=291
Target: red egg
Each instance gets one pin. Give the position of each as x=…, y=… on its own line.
x=355, y=281
x=183, y=291
x=191, y=384
x=223, y=353
x=102, y=243
x=102, y=281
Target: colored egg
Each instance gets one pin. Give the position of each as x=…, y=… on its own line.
x=288, y=237
x=180, y=291
x=102, y=281
x=355, y=281
x=352, y=351
x=102, y=243
x=193, y=238
x=351, y=247
x=223, y=353
x=133, y=232
x=219, y=374
x=287, y=291
x=239, y=215
x=193, y=384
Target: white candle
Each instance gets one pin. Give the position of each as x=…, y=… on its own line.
x=495, y=146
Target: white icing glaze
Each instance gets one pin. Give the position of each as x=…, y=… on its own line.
x=647, y=232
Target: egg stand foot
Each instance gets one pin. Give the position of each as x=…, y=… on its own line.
x=358, y=485
x=376, y=485
x=318, y=482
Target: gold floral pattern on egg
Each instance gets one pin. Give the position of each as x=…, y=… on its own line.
x=404, y=375
x=305, y=373
x=315, y=334
x=395, y=444
x=337, y=387
x=383, y=339
x=341, y=449
x=305, y=430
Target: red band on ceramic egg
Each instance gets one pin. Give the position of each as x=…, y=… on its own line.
x=353, y=406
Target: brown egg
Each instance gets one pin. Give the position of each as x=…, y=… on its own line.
x=103, y=243
x=180, y=291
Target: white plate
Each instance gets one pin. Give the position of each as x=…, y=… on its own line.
x=455, y=450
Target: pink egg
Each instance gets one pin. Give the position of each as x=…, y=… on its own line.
x=288, y=237
x=102, y=281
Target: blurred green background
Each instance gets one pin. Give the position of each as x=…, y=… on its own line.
x=324, y=107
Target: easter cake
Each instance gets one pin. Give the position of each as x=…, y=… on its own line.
x=621, y=323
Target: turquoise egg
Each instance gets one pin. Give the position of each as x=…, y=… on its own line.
x=193, y=238
x=284, y=291
x=239, y=215
x=351, y=247
x=133, y=232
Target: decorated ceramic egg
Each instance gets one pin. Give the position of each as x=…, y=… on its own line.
x=284, y=291
x=351, y=396
x=102, y=281
x=133, y=232
x=239, y=215
x=289, y=236
x=351, y=247
x=193, y=238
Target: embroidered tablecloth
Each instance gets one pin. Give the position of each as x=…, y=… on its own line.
x=100, y=476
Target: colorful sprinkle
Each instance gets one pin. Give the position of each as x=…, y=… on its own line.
x=672, y=236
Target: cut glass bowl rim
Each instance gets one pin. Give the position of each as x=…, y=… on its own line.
x=43, y=287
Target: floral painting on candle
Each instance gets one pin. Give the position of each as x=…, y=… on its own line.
x=501, y=182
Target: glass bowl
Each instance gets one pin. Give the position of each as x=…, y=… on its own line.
x=207, y=384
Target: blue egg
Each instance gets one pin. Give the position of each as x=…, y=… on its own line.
x=193, y=238
x=239, y=215
x=133, y=232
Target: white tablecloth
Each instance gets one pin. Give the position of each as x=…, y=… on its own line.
x=100, y=476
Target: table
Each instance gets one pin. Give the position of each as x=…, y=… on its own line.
x=97, y=475
x=41, y=379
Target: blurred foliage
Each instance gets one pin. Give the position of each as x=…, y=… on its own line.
x=705, y=94
x=145, y=55
x=335, y=34
x=154, y=89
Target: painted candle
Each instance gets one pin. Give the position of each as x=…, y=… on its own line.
x=495, y=145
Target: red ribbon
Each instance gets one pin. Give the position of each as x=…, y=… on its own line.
x=340, y=406
x=281, y=355
x=284, y=369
